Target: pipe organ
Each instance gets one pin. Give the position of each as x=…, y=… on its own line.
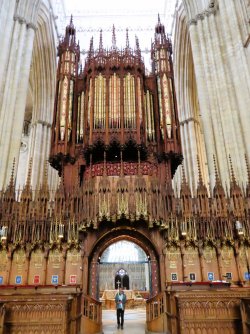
x=111, y=105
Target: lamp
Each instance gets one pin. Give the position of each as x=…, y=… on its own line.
x=61, y=231
x=238, y=227
x=3, y=233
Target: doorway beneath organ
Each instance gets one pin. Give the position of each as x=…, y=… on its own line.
x=124, y=264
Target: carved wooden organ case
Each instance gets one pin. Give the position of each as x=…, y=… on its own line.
x=115, y=128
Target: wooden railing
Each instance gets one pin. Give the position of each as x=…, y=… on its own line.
x=91, y=316
x=156, y=316
x=2, y=315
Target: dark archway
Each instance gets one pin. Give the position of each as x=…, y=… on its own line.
x=122, y=279
x=125, y=282
x=118, y=282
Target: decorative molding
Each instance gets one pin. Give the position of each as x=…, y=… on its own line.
x=211, y=10
x=31, y=25
x=43, y=123
x=22, y=20
x=188, y=120
x=19, y=18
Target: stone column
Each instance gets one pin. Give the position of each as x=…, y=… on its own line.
x=239, y=73
x=39, y=144
x=20, y=103
x=203, y=96
x=7, y=9
x=14, y=99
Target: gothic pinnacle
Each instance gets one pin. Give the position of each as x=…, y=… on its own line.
x=100, y=42
x=217, y=179
x=11, y=184
x=233, y=180
x=28, y=181
x=127, y=39
x=113, y=38
x=200, y=181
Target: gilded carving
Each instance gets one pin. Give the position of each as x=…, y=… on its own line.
x=3, y=260
x=190, y=256
x=55, y=258
x=19, y=259
x=37, y=258
x=173, y=256
x=209, y=254
x=73, y=257
x=226, y=256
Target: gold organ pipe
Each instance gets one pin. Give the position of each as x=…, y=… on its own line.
x=91, y=109
x=78, y=119
x=118, y=102
x=152, y=117
x=100, y=102
x=110, y=103
x=148, y=116
x=107, y=82
x=125, y=101
x=167, y=108
x=95, y=102
x=70, y=108
x=133, y=115
x=129, y=101
x=160, y=106
x=122, y=110
x=58, y=111
x=139, y=99
x=114, y=119
x=82, y=115
x=104, y=101
x=63, y=107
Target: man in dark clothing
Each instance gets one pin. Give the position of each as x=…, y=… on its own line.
x=120, y=300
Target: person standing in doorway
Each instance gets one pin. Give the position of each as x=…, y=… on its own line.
x=120, y=300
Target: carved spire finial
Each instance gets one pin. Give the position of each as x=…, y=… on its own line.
x=28, y=181
x=217, y=179
x=91, y=47
x=100, y=42
x=200, y=180
x=44, y=186
x=127, y=39
x=159, y=20
x=248, y=169
x=11, y=185
x=233, y=180
x=248, y=177
x=113, y=38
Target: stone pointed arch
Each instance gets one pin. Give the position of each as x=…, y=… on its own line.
x=188, y=103
x=42, y=80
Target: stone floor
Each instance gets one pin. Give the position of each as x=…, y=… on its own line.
x=134, y=322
